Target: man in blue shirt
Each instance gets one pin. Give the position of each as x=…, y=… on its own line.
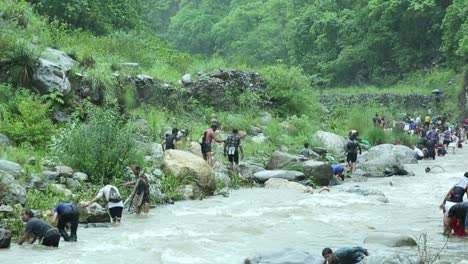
x=66, y=213
x=338, y=171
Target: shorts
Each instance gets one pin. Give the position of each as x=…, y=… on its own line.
x=446, y=142
x=205, y=148
x=351, y=157
x=116, y=212
x=234, y=158
x=51, y=238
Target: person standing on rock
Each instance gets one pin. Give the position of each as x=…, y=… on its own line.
x=113, y=198
x=352, y=152
x=208, y=137
x=170, y=141
x=232, y=147
x=38, y=229
x=66, y=213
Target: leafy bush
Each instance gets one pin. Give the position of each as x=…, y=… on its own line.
x=376, y=136
x=31, y=123
x=101, y=147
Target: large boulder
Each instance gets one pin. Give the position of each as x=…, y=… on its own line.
x=64, y=171
x=380, y=164
x=11, y=192
x=195, y=148
x=390, y=240
x=286, y=161
x=58, y=57
x=247, y=170
x=5, y=238
x=275, y=183
x=285, y=256
x=263, y=176
x=404, y=154
x=319, y=172
x=185, y=165
x=331, y=142
x=94, y=213
x=37, y=183
x=10, y=167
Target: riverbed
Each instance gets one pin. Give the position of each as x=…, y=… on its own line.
x=229, y=229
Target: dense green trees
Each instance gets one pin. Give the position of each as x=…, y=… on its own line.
x=338, y=42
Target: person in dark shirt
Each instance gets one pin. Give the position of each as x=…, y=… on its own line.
x=457, y=219
x=347, y=255
x=37, y=228
x=170, y=141
x=66, y=213
x=352, y=152
x=141, y=192
x=232, y=148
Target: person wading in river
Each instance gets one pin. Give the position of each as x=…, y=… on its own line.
x=66, y=213
x=457, y=219
x=141, y=193
x=113, y=198
x=347, y=255
x=38, y=229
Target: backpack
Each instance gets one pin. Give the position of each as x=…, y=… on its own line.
x=114, y=195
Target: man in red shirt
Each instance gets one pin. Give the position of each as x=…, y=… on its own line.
x=208, y=137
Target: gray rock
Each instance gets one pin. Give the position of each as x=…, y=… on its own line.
x=72, y=184
x=379, y=164
x=37, y=184
x=130, y=64
x=5, y=238
x=390, y=240
x=58, y=57
x=31, y=161
x=12, y=192
x=49, y=77
x=144, y=78
x=247, y=170
x=80, y=176
x=265, y=118
x=11, y=168
x=158, y=173
x=186, y=79
x=4, y=140
x=260, y=139
x=282, y=160
x=366, y=192
x=61, y=117
x=263, y=176
x=395, y=258
x=48, y=164
x=275, y=183
x=93, y=214
x=285, y=256
x=331, y=142
x=50, y=175
x=254, y=131
x=319, y=172
x=64, y=171
x=186, y=191
x=6, y=209
x=404, y=154
x=223, y=177
x=157, y=151
x=142, y=126
x=61, y=188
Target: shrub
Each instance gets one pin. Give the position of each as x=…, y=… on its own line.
x=31, y=123
x=101, y=147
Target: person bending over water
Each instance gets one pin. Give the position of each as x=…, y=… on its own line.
x=347, y=255
x=38, y=229
x=455, y=194
x=456, y=219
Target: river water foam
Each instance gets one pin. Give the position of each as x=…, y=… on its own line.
x=227, y=230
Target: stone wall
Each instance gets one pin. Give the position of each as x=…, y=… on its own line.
x=414, y=101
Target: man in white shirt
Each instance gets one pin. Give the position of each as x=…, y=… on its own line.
x=113, y=198
x=419, y=154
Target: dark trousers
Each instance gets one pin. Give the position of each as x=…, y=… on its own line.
x=51, y=238
x=69, y=215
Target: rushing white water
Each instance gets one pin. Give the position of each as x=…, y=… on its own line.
x=227, y=230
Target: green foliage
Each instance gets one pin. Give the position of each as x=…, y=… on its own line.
x=375, y=135
x=169, y=185
x=30, y=122
x=22, y=58
x=289, y=90
x=101, y=147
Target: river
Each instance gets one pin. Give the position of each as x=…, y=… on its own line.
x=229, y=229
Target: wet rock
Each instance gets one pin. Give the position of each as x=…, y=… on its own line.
x=366, y=192
x=11, y=168
x=37, y=184
x=97, y=225
x=263, y=176
x=282, y=160
x=93, y=214
x=333, y=143
x=4, y=141
x=186, y=191
x=64, y=171
x=275, y=183
x=390, y=240
x=12, y=192
x=285, y=256
x=49, y=77
x=247, y=170
x=319, y=172
x=395, y=258
x=185, y=165
x=50, y=175
x=5, y=238
x=80, y=176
